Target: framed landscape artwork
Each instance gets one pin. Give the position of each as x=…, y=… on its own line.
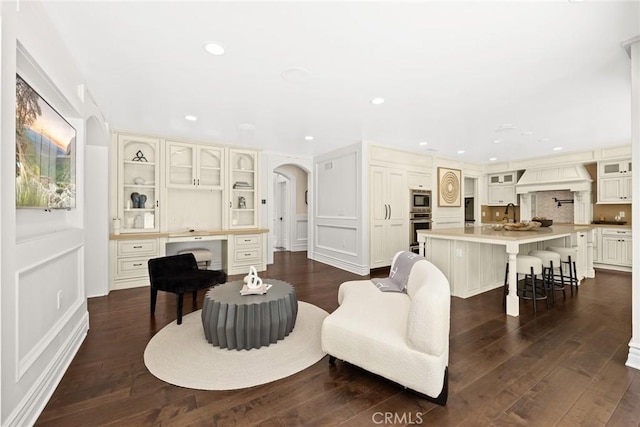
x=449, y=187
x=45, y=153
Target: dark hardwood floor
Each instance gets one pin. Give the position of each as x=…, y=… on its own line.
x=563, y=367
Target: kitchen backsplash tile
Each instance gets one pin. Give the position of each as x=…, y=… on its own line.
x=547, y=206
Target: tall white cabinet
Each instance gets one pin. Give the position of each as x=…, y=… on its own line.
x=389, y=219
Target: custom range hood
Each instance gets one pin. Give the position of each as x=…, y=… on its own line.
x=550, y=178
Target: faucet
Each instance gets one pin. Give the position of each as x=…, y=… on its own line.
x=506, y=211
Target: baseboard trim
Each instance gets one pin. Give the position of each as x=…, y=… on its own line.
x=341, y=264
x=33, y=403
x=633, y=361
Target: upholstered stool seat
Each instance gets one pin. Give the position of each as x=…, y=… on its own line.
x=531, y=267
x=551, y=265
x=203, y=256
x=568, y=257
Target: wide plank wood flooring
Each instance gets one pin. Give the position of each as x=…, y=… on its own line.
x=563, y=367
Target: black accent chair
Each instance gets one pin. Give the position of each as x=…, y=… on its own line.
x=180, y=274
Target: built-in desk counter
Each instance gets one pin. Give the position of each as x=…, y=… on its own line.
x=473, y=258
x=240, y=249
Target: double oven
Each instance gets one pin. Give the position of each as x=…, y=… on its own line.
x=419, y=216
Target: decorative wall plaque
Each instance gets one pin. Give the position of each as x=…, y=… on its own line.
x=449, y=187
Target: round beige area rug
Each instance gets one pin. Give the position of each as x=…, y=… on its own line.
x=181, y=355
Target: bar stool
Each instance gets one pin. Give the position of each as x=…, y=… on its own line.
x=203, y=257
x=531, y=267
x=568, y=256
x=550, y=263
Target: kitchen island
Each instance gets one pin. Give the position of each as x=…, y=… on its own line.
x=474, y=258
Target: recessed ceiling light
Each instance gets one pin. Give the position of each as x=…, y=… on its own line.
x=493, y=159
x=460, y=151
x=377, y=101
x=214, y=48
x=309, y=138
x=557, y=148
x=423, y=143
x=497, y=141
x=190, y=118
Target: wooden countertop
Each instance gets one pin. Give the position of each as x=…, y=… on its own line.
x=487, y=235
x=132, y=236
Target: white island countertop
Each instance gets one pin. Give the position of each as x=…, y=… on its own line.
x=485, y=234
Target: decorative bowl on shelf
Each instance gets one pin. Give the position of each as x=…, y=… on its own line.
x=138, y=181
x=497, y=227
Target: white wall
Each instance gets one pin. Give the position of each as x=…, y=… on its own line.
x=44, y=314
x=340, y=232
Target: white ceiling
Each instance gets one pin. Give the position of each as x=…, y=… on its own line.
x=451, y=73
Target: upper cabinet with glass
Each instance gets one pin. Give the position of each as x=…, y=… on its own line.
x=243, y=180
x=138, y=183
x=191, y=166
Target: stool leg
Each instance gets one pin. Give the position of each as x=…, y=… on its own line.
x=575, y=272
x=195, y=299
x=533, y=287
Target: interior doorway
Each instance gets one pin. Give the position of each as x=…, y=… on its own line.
x=281, y=217
x=290, y=209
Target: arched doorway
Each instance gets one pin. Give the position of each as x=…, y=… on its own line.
x=290, y=208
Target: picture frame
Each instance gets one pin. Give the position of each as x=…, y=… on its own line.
x=449, y=187
x=45, y=153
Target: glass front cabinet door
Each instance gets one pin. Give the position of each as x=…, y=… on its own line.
x=192, y=166
x=243, y=180
x=138, y=183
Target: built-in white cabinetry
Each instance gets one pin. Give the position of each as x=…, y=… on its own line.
x=243, y=176
x=502, y=189
x=138, y=183
x=615, y=247
x=419, y=181
x=389, y=217
x=129, y=268
x=192, y=166
x=614, y=182
x=244, y=251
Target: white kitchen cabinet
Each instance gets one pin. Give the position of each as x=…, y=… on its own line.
x=502, y=195
x=501, y=189
x=614, y=182
x=614, y=190
x=192, y=166
x=506, y=178
x=138, y=190
x=614, y=168
x=243, y=180
x=616, y=247
x=419, y=181
x=389, y=224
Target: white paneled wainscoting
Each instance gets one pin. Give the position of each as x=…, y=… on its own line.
x=48, y=318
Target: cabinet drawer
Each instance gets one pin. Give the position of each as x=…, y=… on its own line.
x=247, y=255
x=616, y=232
x=248, y=240
x=138, y=247
x=132, y=267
